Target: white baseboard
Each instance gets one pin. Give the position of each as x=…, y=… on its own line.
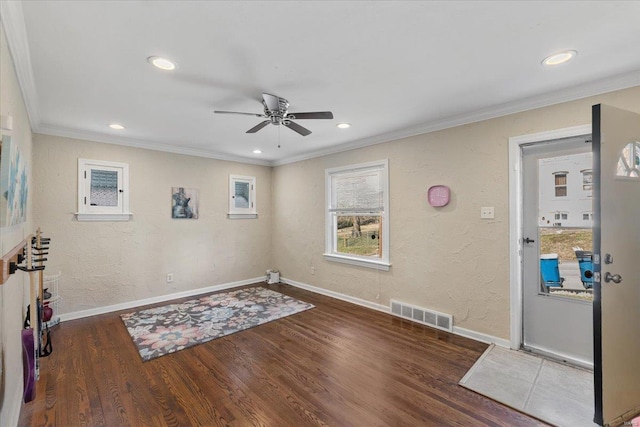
x=479, y=336
x=467, y=333
x=155, y=300
x=337, y=295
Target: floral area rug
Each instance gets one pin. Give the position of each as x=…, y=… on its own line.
x=170, y=328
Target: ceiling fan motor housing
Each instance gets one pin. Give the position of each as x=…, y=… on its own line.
x=276, y=112
x=276, y=116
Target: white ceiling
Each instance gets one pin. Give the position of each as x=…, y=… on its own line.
x=390, y=68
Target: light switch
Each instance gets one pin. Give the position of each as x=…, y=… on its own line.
x=487, y=212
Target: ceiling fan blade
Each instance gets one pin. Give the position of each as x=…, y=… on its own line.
x=296, y=127
x=271, y=101
x=315, y=115
x=235, y=112
x=259, y=126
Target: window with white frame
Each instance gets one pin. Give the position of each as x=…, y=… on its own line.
x=560, y=179
x=103, y=191
x=242, y=197
x=357, y=216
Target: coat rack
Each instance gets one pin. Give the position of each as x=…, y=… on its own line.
x=13, y=257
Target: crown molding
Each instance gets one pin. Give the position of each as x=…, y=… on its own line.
x=13, y=21
x=598, y=87
x=12, y=18
x=48, y=129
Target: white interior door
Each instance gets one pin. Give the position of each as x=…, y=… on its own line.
x=557, y=322
x=616, y=174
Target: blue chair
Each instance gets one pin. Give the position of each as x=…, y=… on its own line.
x=585, y=261
x=550, y=272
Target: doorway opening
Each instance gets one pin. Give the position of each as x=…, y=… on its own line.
x=551, y=245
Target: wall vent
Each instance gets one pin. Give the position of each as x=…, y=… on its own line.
x=422, y=315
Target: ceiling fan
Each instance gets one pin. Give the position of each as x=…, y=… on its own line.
x=276, y=112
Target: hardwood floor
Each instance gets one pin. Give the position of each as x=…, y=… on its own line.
x=337, y=365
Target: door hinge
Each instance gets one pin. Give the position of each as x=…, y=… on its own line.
x=85, y=200
x=85, y=174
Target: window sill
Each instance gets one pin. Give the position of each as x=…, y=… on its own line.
x=103, y=216
x=360, y=262
x=242, y=216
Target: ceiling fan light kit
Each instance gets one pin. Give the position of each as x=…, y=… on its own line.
x=276, y=112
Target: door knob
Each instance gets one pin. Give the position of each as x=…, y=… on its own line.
x=615, y=278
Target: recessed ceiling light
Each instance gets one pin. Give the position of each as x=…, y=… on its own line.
x=116, y=126
x=162, y=63
x=559, y=58
x=256, y=151
x=343, y=125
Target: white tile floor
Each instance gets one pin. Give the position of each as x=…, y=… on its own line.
x=555, y=393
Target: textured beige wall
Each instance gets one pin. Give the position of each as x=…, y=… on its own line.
x=14, y=293
x=106, y=263
x=446, y=259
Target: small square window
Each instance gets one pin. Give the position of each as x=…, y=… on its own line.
x=242, y=197
x=103, y=191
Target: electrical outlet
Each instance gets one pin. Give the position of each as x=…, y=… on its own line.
x=313, y=271
x=169, y=277
x=487, y=212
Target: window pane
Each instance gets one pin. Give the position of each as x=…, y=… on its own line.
x=561, y=179
x=629, y=162
x=362, y=191
x=241, y=196
x=561, y=191
x=359, y=235
x=104, y=188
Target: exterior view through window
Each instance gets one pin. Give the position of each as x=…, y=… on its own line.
x=357, y=215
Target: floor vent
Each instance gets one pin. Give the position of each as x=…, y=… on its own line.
x=422, y=315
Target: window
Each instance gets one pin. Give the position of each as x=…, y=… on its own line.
x=103, y=191
x=565, y=216
x=629, y=161
x=585, y=217
x=587, y=180
x=357, y=216
x=560, y=183
x=242, y=197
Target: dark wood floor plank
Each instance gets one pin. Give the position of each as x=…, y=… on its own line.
x=337, y=364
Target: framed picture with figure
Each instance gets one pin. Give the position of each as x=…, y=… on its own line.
x=184, y=203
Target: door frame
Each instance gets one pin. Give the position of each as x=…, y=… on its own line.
x=516, y=222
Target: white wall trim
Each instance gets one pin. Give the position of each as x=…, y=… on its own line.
x=13, y=20
x=48, y=129
x=154, y=300
x=618, y=82
x=467, y=333
x=337, y=295
x=479, y=336
x=515, y=219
